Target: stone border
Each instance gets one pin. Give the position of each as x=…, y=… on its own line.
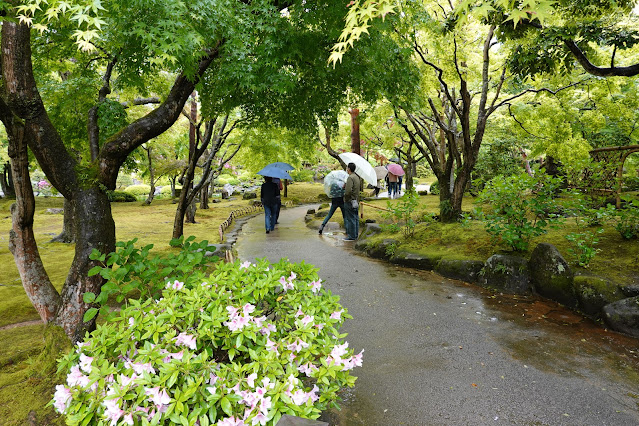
x=546, y=273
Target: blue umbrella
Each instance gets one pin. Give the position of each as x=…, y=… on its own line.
x=282, y=165
x=274, y=172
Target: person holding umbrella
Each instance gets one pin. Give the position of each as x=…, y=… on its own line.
x=351, y=203
x=334, y=184
x=269, y=193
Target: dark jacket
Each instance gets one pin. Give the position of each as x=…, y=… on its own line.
x=269, y=193
x=352, y=188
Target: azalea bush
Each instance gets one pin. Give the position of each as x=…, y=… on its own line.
x=249, y=343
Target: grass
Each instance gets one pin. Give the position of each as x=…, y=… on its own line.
x=27, y=357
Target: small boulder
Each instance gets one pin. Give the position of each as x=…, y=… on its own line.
x=458, y=269
x=370, y=229
x=623, y=315
x=249, y=195
x=506, y=273
x=383, y=250
x=310, y=211
x=218, y=250
x=323, y=197
x=321, y=213
x=415, y=260
x=630, y=290
x=551, y=276
x=55, y=211
x=594, y=293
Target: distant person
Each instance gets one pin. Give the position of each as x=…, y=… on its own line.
x=351, y=203
x=278, y=182
x=336, y=202
x=269, y=193
x=392, y=185
x=399, y=186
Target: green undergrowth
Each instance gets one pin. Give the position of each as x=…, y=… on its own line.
x=28, y=373
x=618, y=259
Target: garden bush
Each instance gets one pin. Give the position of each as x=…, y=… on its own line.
x=628, y=219
x=251, y=342
x=120, y=196
x=434, y=188
x=517, y=208
x=137, y=190
x=401, y=214
x=302, y=175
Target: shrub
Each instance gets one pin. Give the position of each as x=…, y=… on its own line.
x=583, y=244
x=302, y=175
x=247, y=345
x=518, y=208
x=628, y=219
x=434, y=188
x=401, y=213
x=120, y=196
x=136, y=190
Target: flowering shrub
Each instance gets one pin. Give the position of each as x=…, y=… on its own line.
x=243, y=347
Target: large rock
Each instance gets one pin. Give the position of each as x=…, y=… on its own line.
x=458, y=269
x=623, y=315
x=506, y=273
x=415, y=260
x=370, y=229
x=551, y=276
x=382, y=250
x=630, y=290
x=593, y=293
x=249, y=195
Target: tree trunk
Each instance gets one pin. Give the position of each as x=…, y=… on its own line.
x=172, y=180
x=191, y=209
x=355, y=138
x=6, y=182
x=149, y=198
x=204, y=197
x=68, y=232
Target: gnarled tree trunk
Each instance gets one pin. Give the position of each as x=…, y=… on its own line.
x=68, y=232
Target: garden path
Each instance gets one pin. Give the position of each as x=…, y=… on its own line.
x=442, y=352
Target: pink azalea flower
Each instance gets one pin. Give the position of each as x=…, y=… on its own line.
x=126, y=381
x=265, y=405
x=131, y=322
x=128, y=419
x=292, y=276
x=357, y=359
x=316, y=286
x=232, y=311
x=213, y=379
x=312, y=395
x=186, y=340
x=140, y=368
x=251, y=380
x=299, y=397
x=337, y=315
x=270, y=328
x=266, y=382
x=245, y=265
x=307, y=319
x=299, y=312
x=282, y=281
x=259, y=321
x=113, y=411
x=158, y=397
x=319, y=326
x=339, y=350
x=76, y=378
x=231, y=421
x=61, y=398
x=85, y=363
x=248, y=309
x=307, y=369
x=260, y=419
x=211, y=389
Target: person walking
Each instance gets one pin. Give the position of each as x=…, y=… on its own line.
x=278, y=182
x=269, y=193
x=336, y=202
x=392, y=185
x=351, y=203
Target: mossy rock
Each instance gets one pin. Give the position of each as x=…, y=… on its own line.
x=460, y=269
x=506, y=273
x=415, y=260
x=630, y=290
x=551, y=275
x=323, y=206
x=321, y=213
x=370, y=229
x=249, y=195
x=623, y=316
x=323, y=197
x=382, y=250
x=593, y=293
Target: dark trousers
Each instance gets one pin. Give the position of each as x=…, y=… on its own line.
x=269, y=216
x=351, y=221
x=332, y=210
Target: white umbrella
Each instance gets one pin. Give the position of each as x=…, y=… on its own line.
x=362, y=167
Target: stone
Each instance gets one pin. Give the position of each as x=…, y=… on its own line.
x=288, y=420
x=593, y=293
x=218, y=250
x=506, y=273
x=55, y=211
x=370, y=229
x=249, y=195
x=551, y=275
x=460, y=269
x=382, y=250
x=310, y=211
x=630, y=290
x=623, y=315
x=321, y=213
x=323, y=197
x=415, y=260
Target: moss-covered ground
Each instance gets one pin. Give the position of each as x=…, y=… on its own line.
x=27, y=364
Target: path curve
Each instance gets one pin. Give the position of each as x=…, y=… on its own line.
x=441, y=352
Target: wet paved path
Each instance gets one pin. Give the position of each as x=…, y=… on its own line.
x=441, y=352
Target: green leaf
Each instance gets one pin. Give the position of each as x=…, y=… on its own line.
x=90, y=314
x=226, y=406
x=88, y=297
